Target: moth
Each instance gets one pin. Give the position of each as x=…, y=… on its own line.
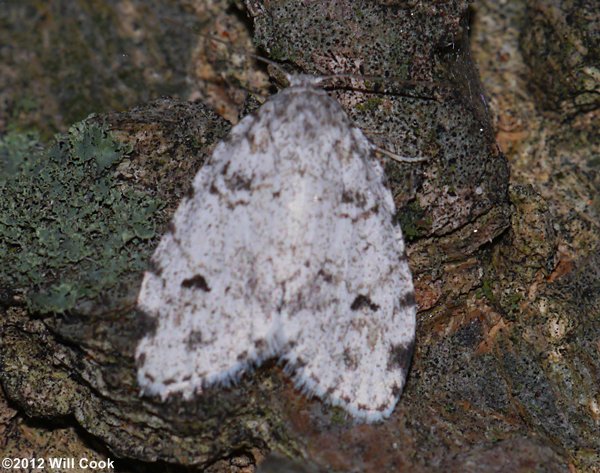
x=285, y=248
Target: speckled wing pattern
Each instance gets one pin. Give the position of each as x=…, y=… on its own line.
x=285, y=248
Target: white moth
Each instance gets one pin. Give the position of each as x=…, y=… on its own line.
x=285, y=248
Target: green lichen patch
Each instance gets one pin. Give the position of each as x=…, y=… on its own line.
x=69, y=230
x=15, y=148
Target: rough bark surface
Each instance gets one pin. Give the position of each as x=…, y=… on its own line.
x=506, y=368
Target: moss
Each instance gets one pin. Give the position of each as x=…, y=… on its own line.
x=486, y=288
x=413, y=220
x=69, y=229
x=512, y=302
x=372, y=103
x=449, y=408
x=338, y=416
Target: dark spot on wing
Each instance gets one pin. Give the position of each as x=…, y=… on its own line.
x=381, y=407
x=213, y=189
x=396, y=390
x=251, y=137
x=154, y=268
x=169, y=381
x=238, y=182
x=193, y=340
x=276, y=194
x=149, y=377
x=260, y=344
x=350, y=359
x=354, y=197
x=196, y=281
x=141, y=359
x=171, y=227
x=242, y=356
x=363, y=301
x=310, y=131
x=400, y=356
x=408, y=300
x=146, y=324
x=190, y=192
x=327, y=277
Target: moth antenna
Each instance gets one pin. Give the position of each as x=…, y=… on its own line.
x=398, y=158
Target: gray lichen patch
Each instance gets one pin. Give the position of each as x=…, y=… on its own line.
x=20, y=437
x=530, y=249
x=550, y=360
x=70, y=59
x=68, y=229
x=390, y=36
x=526, y=455
x=170, y=140
x=561, y=46
x=544, y=351
x=41, y=388
x=425, y=100
x=542, y=275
